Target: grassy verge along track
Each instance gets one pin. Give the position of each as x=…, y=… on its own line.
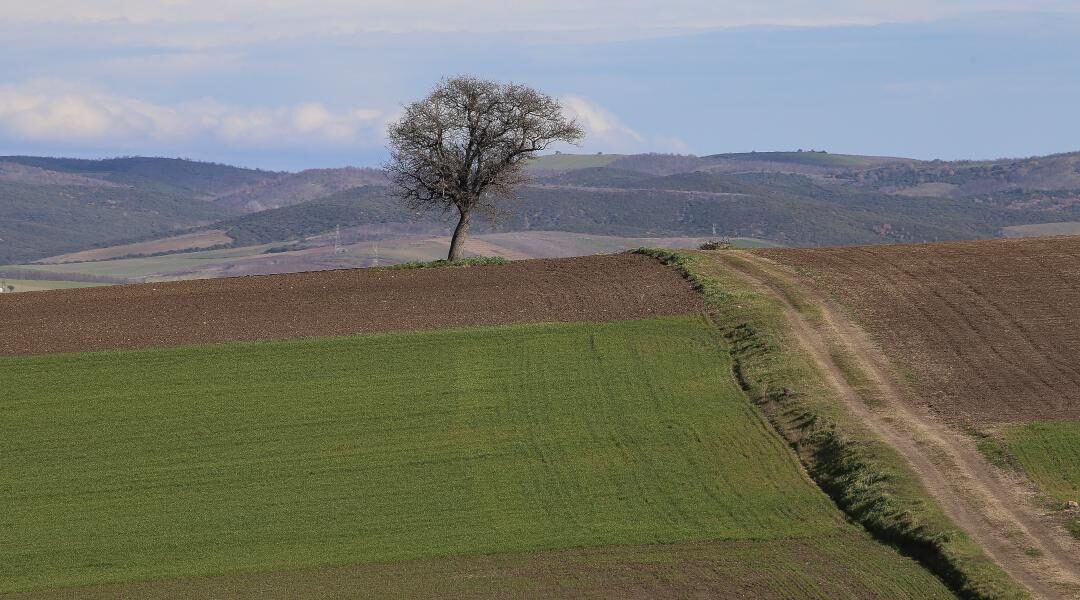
x=870, y=480
x=629, y=441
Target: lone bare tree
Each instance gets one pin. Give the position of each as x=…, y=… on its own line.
x=465, y=146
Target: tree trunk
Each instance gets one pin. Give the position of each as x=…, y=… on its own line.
x=457, y=243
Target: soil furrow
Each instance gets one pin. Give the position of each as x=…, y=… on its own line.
x=344, y=302
x=994, y=510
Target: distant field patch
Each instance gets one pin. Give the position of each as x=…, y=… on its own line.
x=936, y=189
x=151, y=266
x=255, y=260
x=210, y=460
x=1041, y=229
x=566, y=162
x=31, y=285
x=189, y=241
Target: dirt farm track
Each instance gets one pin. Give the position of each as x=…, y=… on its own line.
x=331, y=303
x=991, y=328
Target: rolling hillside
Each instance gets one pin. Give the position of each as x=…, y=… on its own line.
x=204, y=178
x=610, y=453
x=51, y=206
x=37, y=221
x=297, y=188
x=787, y=198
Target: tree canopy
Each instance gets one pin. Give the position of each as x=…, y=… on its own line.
x=465, y=146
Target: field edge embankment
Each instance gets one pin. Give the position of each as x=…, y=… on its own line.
x=866, y=478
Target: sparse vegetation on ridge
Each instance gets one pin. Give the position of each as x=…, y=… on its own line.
x=468, y=261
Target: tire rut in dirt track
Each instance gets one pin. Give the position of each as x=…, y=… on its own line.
x=344, y=302
x=996, y=513
x=989, y=326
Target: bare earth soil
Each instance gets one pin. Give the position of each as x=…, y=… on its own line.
x=989, y=331
x=344, y=302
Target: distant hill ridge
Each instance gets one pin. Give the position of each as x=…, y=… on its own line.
x=51, y=206
x=202, y=177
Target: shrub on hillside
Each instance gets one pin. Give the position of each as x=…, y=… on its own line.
x=472, y=261
x=716, y=245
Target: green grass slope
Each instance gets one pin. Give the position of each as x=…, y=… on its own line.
x=1049, y=454
x=237, y=458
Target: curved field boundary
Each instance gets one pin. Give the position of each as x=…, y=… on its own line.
x=797, y=381
x=345, y=302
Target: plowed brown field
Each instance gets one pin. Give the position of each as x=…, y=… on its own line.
x=989, y=330
x=331, y=303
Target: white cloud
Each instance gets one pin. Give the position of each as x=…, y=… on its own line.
x=55, y=112
x=606, y=132
x=203, y=23
x=52, y=112
x=603, y=130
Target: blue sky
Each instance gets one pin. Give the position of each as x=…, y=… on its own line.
x=286, y=84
